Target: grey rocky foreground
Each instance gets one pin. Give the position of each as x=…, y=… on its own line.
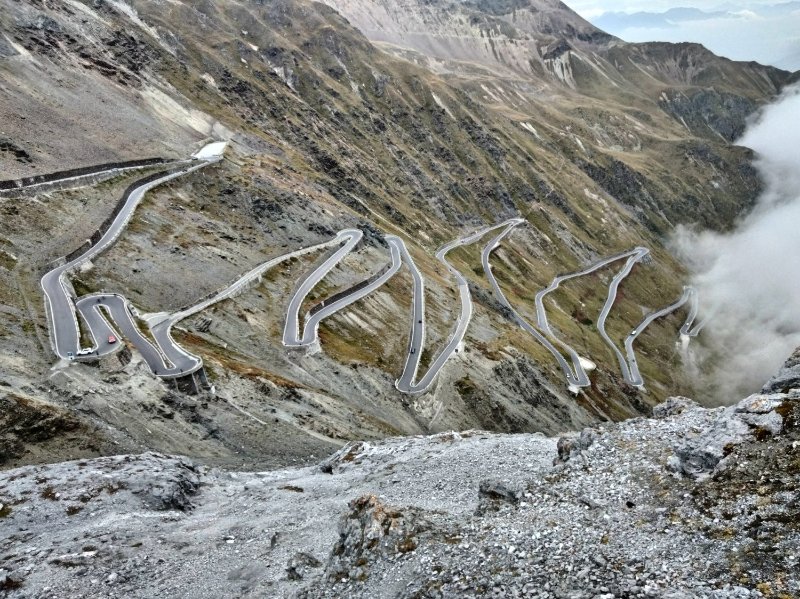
x=611, y=512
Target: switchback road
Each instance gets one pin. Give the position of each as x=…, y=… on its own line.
x=105, y=314
x=581, y=378
x=61, y=309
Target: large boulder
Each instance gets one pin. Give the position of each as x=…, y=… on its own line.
x=674, y=406
x=495, y=494
x=571, y=446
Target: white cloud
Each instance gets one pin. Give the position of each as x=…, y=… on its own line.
x=587, y=8
x=747, y=14
x=750, y=279
x=766, y=39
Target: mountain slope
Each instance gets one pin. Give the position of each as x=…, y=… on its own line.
x=548, y=45
x=328, y=132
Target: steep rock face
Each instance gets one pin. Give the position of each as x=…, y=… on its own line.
x=702, y=455
x=33, y=431
x=550, y=45
x=370, y=531
x=504, y=37
x=723, y=113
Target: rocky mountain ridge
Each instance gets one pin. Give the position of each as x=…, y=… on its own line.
x=546, y=44
x=691, y=503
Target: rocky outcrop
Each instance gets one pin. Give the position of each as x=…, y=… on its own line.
x=494, y=494
x=321, y=120
x=452, y=515
x=645, y=508
x=674, y=406
x=370, y=531
x=700, y=455
x=709, y=112
x=570, y=447
x=152, y=481
x=34, y=431
x=788, y=376
x=14, y=151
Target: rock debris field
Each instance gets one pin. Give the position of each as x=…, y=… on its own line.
x=691, y=503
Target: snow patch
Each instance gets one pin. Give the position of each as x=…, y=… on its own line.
x=490, y=93
x=86, y=10
x=595, y=197
x=531, y=129
x=209, y=79
x=12, y=256
x=211, y=151
x=286, y=75
x=442, y=105
x=131, y=13
x=21, y=51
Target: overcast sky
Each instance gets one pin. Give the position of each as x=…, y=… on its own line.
x=591, y=8
x=746, y=32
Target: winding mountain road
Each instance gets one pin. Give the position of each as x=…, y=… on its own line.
x=399, y=255
x=636, y=255
x=689, y=294
x=62, y=310
x=573, y=379
x=457, y=336
x=581, y=378
x=109, y=316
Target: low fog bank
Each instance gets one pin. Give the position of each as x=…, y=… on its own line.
x=749, y=280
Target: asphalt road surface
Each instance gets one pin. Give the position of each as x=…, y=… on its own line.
x=405, y=384
x=573, y=379
x=61, y=309
x=689, y=294
x=291, y=329
x=633, y=256
x=636, y=255
x=110, y=315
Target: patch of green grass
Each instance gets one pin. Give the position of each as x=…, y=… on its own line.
x=81, y=287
